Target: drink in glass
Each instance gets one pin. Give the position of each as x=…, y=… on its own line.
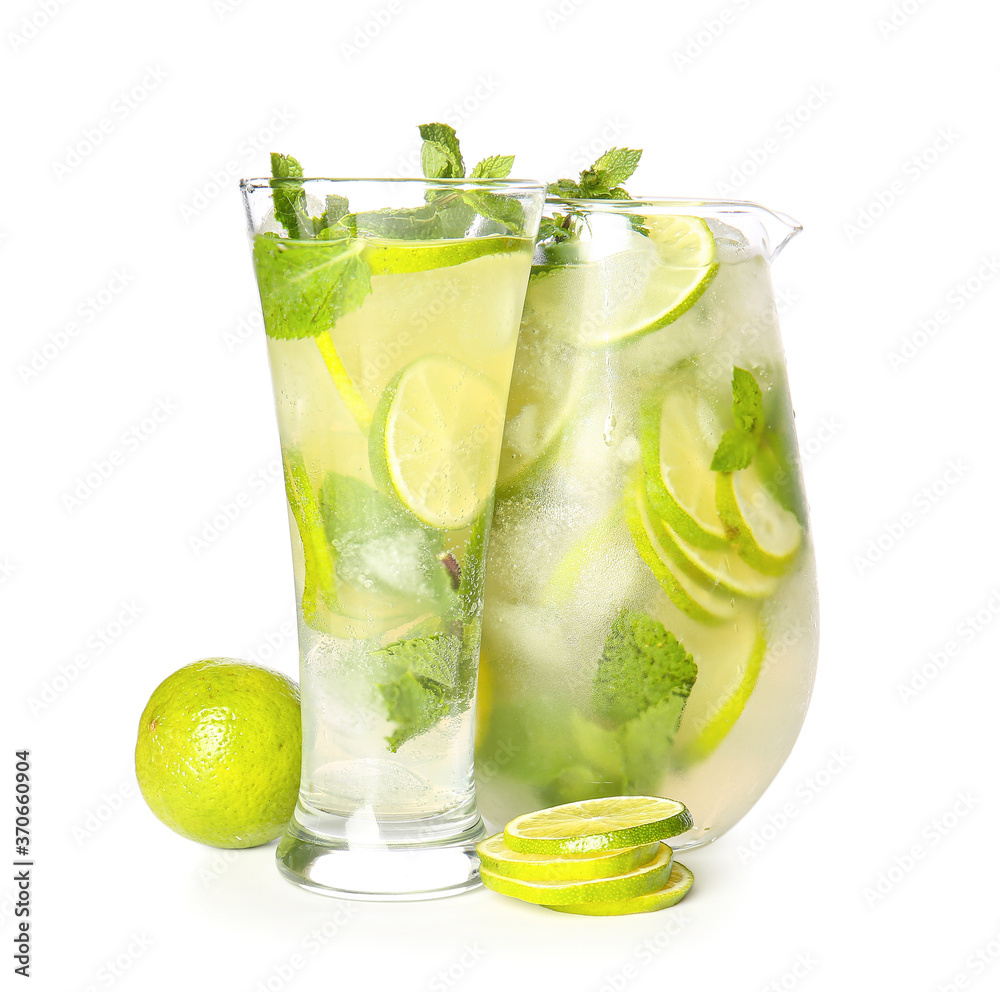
x=391, y=310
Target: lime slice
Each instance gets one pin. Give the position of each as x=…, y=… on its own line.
x=546, y=387
x=496, y=857
x=640, y=289
x=678, y=435
x=678, y=885
x=434, y=440
x=681, y=241
x=719, y=568
x=597, y=825
x=639, y=881
x=699, y=603
x=594, y=544
x=715, y=725
x=393, y=257
x=319, y=583
x=766, y=535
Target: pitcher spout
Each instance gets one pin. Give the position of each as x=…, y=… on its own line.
x=779, y=229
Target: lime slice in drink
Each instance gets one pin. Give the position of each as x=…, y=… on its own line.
x=433, y=440
x=677, y=887
x=496, y=857
x=639, y=881
x=386, y=256
x=681, y=241
x=597, y=825
x=645, y=286
x=546, y=388
x=595, y=544
x=766, y=535
x=697, y=740
x=719, y=568
x=678, y=435
x=701, y=604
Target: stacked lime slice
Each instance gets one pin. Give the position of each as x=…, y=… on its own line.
x=724, y=531
x=718, y=543
x=599, y=857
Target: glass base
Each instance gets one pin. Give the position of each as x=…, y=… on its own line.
x=367, y=856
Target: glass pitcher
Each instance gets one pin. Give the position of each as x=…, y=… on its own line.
x=650, y=625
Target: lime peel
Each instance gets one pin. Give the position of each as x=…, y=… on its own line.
x=343, y=382
x=721, y=721
x=765, y=534
x=676, y=888
x=597, y=825
x=495, y=856
x=716, y=568
x=218, y=752
x=700, y=604
x=393, y=257
x=681, y=474
x=646, y=878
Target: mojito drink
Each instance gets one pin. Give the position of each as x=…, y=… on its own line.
x=650, y=623
x=391, y=354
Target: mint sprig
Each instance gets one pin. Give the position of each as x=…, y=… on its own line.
x=739, y=444
x=602, y=181
x=441, y=158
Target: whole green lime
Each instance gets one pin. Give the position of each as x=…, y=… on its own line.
x=219, y=752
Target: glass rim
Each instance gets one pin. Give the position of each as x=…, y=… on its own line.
x=635, y=202
x=508, y=185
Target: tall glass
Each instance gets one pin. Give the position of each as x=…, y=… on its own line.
x=391, y=309
x=651, y=615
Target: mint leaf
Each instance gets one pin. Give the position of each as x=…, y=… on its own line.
x=646, y=740
x=434, y=657
x=505, y=210
x=420, y=694
x=414, y=706
x=335, y=221
x=289, y=198
x=642, y=684
x=615, y=166
x=381, y=545
x=440, y=156
x=494, y=167
x=642, y=664
x=408, y=224
x=739, y=444
x=305, y=288
x=735, y=451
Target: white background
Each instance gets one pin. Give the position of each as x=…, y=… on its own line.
x=871, y=861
